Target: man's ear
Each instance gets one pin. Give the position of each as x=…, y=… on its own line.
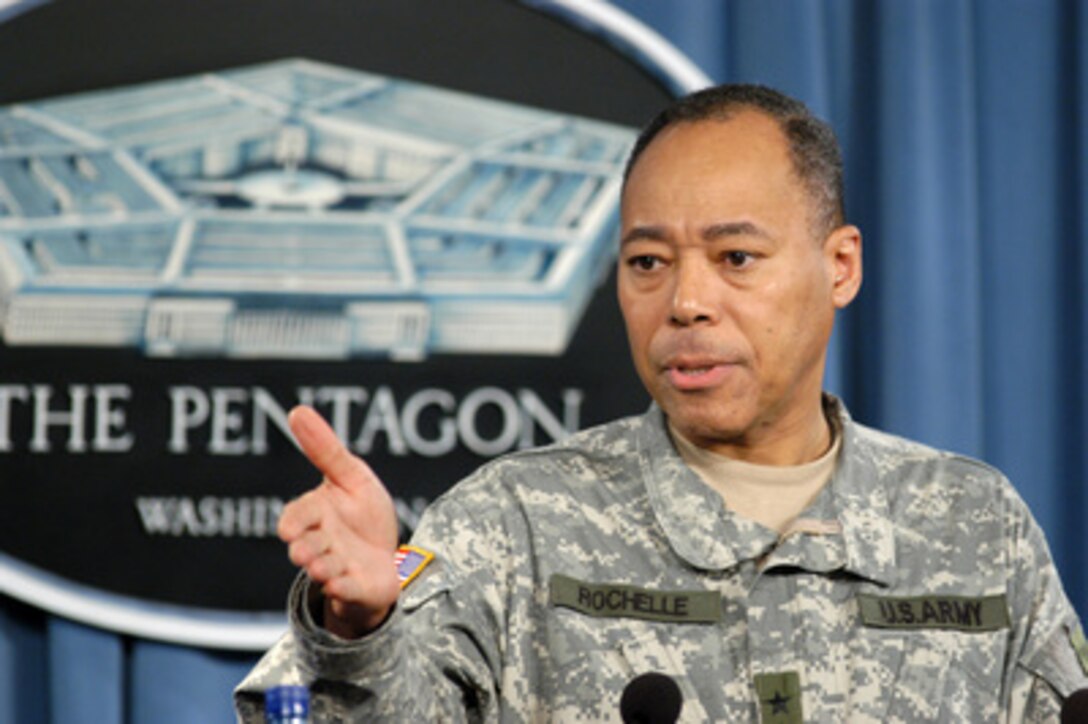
x=842, y=250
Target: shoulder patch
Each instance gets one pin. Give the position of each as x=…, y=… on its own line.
x=1080, y=645
x=410, y=562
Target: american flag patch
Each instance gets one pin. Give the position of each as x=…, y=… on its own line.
x=410, y=561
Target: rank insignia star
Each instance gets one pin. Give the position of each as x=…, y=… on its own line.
x=780, y=704
x=780, y=698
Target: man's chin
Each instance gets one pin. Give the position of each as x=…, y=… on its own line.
x=707, y=430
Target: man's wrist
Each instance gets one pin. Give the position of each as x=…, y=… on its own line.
x=348, y=621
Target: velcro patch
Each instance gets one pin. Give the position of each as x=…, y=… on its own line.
x=410, y=562
x=957, y=613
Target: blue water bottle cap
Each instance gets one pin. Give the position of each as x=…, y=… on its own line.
x=287, y=703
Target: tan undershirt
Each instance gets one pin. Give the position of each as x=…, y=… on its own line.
x=772, y=495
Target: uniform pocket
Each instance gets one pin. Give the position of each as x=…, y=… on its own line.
x=927, y=676
x=600, y=657
x=918, y=682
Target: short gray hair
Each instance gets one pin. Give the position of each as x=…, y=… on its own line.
x=814, y=150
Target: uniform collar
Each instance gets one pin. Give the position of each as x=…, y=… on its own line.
x=858, y=498
x=699, y=528
x=706, y=535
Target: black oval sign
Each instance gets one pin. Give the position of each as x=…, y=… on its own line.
x=400, y=212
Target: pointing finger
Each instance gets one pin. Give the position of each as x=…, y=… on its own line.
x=325, y=450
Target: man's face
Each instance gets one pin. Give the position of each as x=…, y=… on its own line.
x=727, y=294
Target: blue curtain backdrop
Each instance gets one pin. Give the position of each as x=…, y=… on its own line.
x=964, y=128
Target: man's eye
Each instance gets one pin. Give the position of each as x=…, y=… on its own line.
x=738, y=259
x=643, y=262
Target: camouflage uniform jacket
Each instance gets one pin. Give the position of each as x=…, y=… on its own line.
x=915, y=588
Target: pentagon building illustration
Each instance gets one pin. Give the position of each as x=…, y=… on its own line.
x=301, y=210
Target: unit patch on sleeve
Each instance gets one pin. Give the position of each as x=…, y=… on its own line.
x=410, y=562
x=1080, y=646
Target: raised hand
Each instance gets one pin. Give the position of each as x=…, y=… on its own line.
x=343, y=532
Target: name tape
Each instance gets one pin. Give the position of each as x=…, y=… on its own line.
x=614, y=600
x=958, y=613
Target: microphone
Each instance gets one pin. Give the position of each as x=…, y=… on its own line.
x=1075, y=708
x=652, y=698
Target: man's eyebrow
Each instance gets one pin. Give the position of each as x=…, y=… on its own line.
x=644, y=233
x=734, y=228
x=712, y=232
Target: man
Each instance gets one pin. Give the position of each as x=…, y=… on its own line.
x=744, y=537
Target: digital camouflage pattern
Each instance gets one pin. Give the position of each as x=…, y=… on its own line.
x=916, y=588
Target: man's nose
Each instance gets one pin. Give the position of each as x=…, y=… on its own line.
x=693, y=300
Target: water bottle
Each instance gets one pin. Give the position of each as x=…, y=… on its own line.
x=287, y=705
